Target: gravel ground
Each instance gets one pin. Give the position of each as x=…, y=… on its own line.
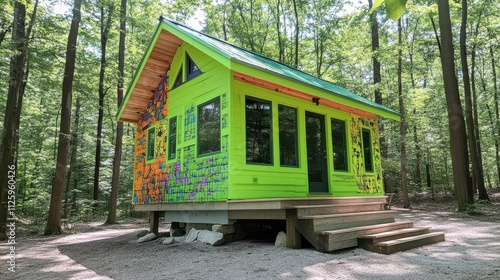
x=471, y=251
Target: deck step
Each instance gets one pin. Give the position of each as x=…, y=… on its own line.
x=391, y=235
x=347, y=220
x=326, y=209
x=332, y=240
x=405, y=243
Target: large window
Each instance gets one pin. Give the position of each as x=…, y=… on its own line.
x=209, y=127
x=150, y=144
x=172, y=138
x=258, y=131
x=367, y=149
x=339, y=143
x=192, y=69
x=288, y=135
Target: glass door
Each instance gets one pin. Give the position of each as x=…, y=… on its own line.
x=316, y=153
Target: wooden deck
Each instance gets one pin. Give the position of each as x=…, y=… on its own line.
x=328, y=223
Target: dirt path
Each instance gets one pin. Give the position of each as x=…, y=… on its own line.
x=471, y=251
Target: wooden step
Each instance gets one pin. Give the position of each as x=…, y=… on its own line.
x=347, y=220
x=291, y=203
x=391, y=235
x=406, y=243
x=339, y=208
x=331, y=240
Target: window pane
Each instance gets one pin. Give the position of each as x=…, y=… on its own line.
x=150, y=153
x=178, y=80
x=258, y=131
x=172, y=137
x=339, y=145
x=288, y=135
x=209, y=127
x=192, y=68
x=367, y=150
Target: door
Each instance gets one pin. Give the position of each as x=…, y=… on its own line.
x=316, y=153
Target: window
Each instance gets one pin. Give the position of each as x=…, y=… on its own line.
x=209, y=127
x=150, y=144
x=367, y=149
x=339, y=144
x=192, y=69
x=258, y=131
x=178, y=80
x=288, y=135
x=172, y=138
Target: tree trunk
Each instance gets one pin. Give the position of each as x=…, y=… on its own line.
x=377, y=78
x=11, y=120
x=496, y=123
x=105, y=26
x=402, y=124
x=72, y=162
x=458, y=135
x=297, y=32
x=119, y=128
x=54, y=219
x=430, y=186
x=476, y=166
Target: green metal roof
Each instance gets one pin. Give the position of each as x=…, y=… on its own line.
x=254, y=60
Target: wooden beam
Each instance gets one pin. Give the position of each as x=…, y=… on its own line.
x=301, y=95
x=293, y=236
x=154, y=221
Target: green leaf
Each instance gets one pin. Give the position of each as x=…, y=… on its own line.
x=395, y=8
x=376, y=5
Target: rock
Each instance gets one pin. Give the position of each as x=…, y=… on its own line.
x=224, y=229
x=280, y=240
x=147, y=237
x=192, y=235
x=211, y=237
x=142, y=233
x=173, y=240
x=168, y=241
x=179, y=239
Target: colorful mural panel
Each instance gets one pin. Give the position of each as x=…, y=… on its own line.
x=184, y=179
x=366, y=182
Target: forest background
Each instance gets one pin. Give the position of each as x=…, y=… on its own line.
x=395, y=63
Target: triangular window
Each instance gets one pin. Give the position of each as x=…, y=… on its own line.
x=192, y=68
x=178, y=80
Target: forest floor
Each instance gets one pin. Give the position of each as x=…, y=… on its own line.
x=94, y=251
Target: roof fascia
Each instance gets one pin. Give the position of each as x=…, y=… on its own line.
x=244, y=67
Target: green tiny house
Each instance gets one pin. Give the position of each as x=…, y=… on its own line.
x=225, y=135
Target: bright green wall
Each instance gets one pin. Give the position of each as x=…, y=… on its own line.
x=189, y=177
x=248, y=181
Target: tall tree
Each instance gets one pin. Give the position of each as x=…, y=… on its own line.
x=402, y=124
x=477, y=169
x=456, y=123
x=119, y=127
x=105, y=20
x=72, y=162
x=377, y=79
x=17, y=64
x=54, y=220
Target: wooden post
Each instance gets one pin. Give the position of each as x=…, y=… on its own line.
x=293, y=236
x=154, y=221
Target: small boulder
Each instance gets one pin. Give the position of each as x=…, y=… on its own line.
x=280, y=240
x=147, y=237
x=192, y=235
x=142, y=233
x=168, y=241
x=224, y=229
x=211, y=237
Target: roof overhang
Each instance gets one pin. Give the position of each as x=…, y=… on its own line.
x=153, y=66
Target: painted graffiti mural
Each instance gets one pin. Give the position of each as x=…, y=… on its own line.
x=185, y=178
x=372, y=182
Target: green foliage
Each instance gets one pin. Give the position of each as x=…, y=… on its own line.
x=394, y=8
